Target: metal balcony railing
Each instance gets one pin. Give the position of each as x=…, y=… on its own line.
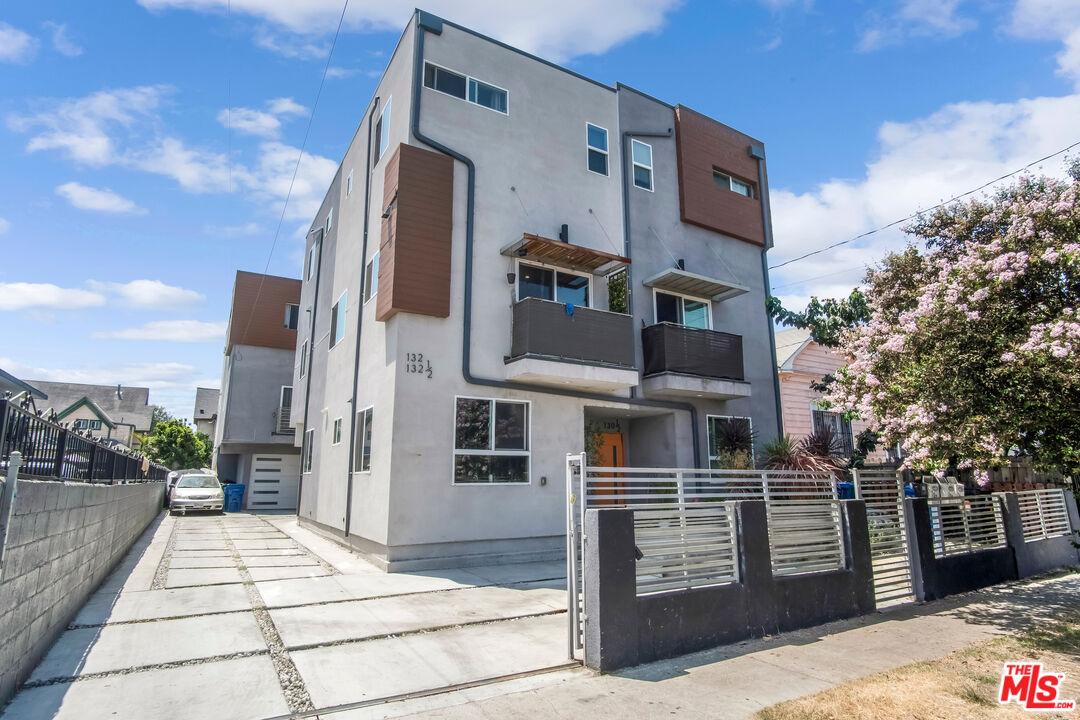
x=668, y=347
x=547, y=329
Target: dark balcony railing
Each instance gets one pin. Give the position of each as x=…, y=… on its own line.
x=51, y=451
x=543, y=328
x=674, y=348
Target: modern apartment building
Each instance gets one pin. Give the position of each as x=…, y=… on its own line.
x=510, y=256
x=253, y=443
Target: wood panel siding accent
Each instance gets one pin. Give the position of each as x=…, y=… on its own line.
x=262, y=324
x=704, y=146
x=415, y=240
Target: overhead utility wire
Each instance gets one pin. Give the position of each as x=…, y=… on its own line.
x=921, y=212
x=296, y=168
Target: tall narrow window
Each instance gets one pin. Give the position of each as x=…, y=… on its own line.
x=337, y=431
x=311, y=260
x=292, y=316
x=303, y=359
x=371, y=278
x=348, y=184
x=309, y=449
x=641, y=154
x=682, y=310
x=329, y=219
x=362, y=462
x=384, y=128
x=337, y=320
x=491, y=441
x=488, y=95
x=284, y=416
x=596, y=141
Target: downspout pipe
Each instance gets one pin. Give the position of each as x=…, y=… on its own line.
x=311, y=359
x=758, y=153
x=430, y=23
x=359, y=323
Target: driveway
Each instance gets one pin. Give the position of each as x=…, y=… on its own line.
x=250, y=616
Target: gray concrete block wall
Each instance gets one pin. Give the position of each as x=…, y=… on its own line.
x=63, y=540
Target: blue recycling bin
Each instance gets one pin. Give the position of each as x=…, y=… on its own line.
x=234, y=497
x=845, y=490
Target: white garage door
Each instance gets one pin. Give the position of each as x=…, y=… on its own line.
x=274, y=482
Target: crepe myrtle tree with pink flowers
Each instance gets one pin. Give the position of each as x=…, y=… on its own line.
x=970, y=351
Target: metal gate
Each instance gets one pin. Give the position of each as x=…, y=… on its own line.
x=883, y=493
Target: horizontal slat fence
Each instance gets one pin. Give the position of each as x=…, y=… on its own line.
x=967, y=524
x=1043, y=514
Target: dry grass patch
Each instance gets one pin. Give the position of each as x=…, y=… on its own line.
x=963, y=684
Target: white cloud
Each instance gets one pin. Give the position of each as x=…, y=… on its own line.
x=256, y=122
x=918, y=165
x=23, y=296
x=271, y=178
x=557, y=29
x=102, y=200
x=286, y=106
x=187, y=331
x=147, y=294
x=915, y=18
x=336, y=72
x=195, y=170
x=60, y=40
x=4, y=226
x=231, y=231
x=291, y=45
x=1053, y=20
x=16, y=46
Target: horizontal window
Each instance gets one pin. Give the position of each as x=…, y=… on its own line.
x=466, y=88
x=487, y=95
x=444, y=81
x=733, y=184
x=681, y=310
x=547, y=284
x=491, y=441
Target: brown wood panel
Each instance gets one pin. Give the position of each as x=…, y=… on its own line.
x=704, y=146
x=415, y=241
x=257, y=316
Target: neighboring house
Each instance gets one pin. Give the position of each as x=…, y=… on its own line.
x=457, y=332
x=253, y=441
x=120, y=413
x=801, y=361
x=15, y=389
x=206, y=410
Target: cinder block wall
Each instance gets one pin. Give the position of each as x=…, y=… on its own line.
x=63, y=540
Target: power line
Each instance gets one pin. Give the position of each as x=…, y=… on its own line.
x=819, y=277
x=296, y=168
x=921, y=212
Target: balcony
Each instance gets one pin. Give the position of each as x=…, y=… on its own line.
x=690, y=362
x=588, y=349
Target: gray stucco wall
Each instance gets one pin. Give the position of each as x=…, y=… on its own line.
x=63, y=540
x=255, y=376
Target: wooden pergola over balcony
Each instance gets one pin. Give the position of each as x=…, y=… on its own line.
x=563, y=254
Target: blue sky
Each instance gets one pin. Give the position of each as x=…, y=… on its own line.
x=126, y=205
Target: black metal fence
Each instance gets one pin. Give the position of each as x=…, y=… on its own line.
x=51, y=451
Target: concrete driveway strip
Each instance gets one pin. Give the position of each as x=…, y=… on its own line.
x=120, y=647
x=240, y=689
x=156, y=604
x=202, y=576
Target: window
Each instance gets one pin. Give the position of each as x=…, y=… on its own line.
x=292, y=316
x=840, y=427
x=348, y=184
x=466, y=88
x=444, y=81
x=285, y=398
x=85, y=424
x=641, y=154
x=728, y=438
x=596, y=141
x=362, y=462
x=337, y=320
x=337, y=432
x=303, y=359
x=284, y=413
x=547, y=284
x=311, y=261
x=371, y=278
x=733, y=184
x=382, y=129
x=682, y=310
x=487, y=95
x=329, y=219
x=308, y=450
x=491, y=441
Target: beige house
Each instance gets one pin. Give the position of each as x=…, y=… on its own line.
x=800, y=361
x=119, y=413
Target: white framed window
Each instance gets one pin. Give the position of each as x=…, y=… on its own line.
x=308, y=450
x=382, y=130
x=303, y=359
x=285, y=397
x=87, y=424
x=596, y=144
x=467, y=88
x=362, y=462
x=733, y=184
x=548, y=283
x=329, y=219
x=682, y=310
x=337, y=320
x=292, y=316
x=311, y=260
x=371, y=278
x=348, y=184
x=337, y=432
x=641, y=156
x=491, y=441
x=725, y=430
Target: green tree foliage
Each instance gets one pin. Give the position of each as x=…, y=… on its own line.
x=617, y=293
x=173, y=444
x=825, y=319
x=159, y=415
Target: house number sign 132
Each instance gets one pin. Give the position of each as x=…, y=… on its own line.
x=415, y=364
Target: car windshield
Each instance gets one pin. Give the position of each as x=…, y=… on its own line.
x=199, y=481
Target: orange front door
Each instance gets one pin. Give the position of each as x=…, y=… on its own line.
x=612, y=454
